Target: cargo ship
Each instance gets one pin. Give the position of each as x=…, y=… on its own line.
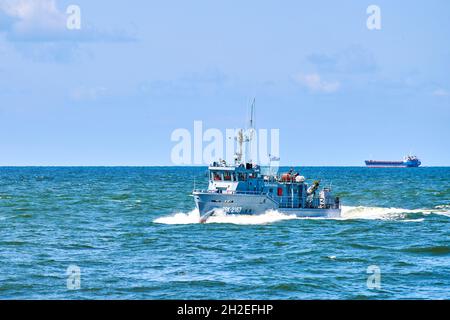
x=407, y=162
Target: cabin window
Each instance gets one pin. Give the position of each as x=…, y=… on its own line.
x=216, y=176
x=227, y=176
x=242, y=177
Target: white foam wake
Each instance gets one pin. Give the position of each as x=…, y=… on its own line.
x=375, y=213
x=180, y=218
x=272, y=216
x=443, y=210
x=362, y=212
x=221, y=217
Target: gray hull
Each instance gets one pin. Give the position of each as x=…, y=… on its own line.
x=255, y=204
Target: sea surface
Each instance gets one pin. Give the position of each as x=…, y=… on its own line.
x=134, y=234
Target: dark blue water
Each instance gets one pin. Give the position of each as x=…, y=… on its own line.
x=134, y=235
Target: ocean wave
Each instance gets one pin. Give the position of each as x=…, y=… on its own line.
x=413, y=220
x=180, y=218
x=443, y=210
x=380, y=213
x=435, y=250
x=272, y=216
x=375, y=213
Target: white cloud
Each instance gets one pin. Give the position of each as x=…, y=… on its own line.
x=43, y=21
x=207, y=82
x=35, y=19
x=38, y=30
x=27, y=9
x=353, y=60
x=88, y=93
x=441, y=93
x=315, y=83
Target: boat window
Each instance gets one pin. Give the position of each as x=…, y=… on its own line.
x=234, y=176
x=227, y=176
x=216, y=176
x=242, y=177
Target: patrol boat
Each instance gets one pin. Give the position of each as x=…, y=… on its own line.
x=244, y=188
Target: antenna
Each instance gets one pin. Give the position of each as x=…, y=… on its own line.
x=251, y=130
x=246, y=137
x=240, y=140
x=252, y=113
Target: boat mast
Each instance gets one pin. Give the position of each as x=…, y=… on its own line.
x=251, y=131
x=252, y=113
x=246, y=137
x=240, y=140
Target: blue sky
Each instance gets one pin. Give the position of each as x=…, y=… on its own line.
x=113, y=92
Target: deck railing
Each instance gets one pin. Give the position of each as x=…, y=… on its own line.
x=282, y=202
x=230, y=192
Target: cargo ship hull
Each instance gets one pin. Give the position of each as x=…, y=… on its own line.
x=385, y=164
x=392, y=164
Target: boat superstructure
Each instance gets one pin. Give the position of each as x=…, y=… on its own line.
x=243, y=188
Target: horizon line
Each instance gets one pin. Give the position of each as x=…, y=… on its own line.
x=193, y=166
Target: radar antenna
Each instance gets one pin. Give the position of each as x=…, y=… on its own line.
x=246, y=137
x=251, y=130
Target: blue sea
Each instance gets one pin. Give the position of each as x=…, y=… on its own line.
x=134, y=234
